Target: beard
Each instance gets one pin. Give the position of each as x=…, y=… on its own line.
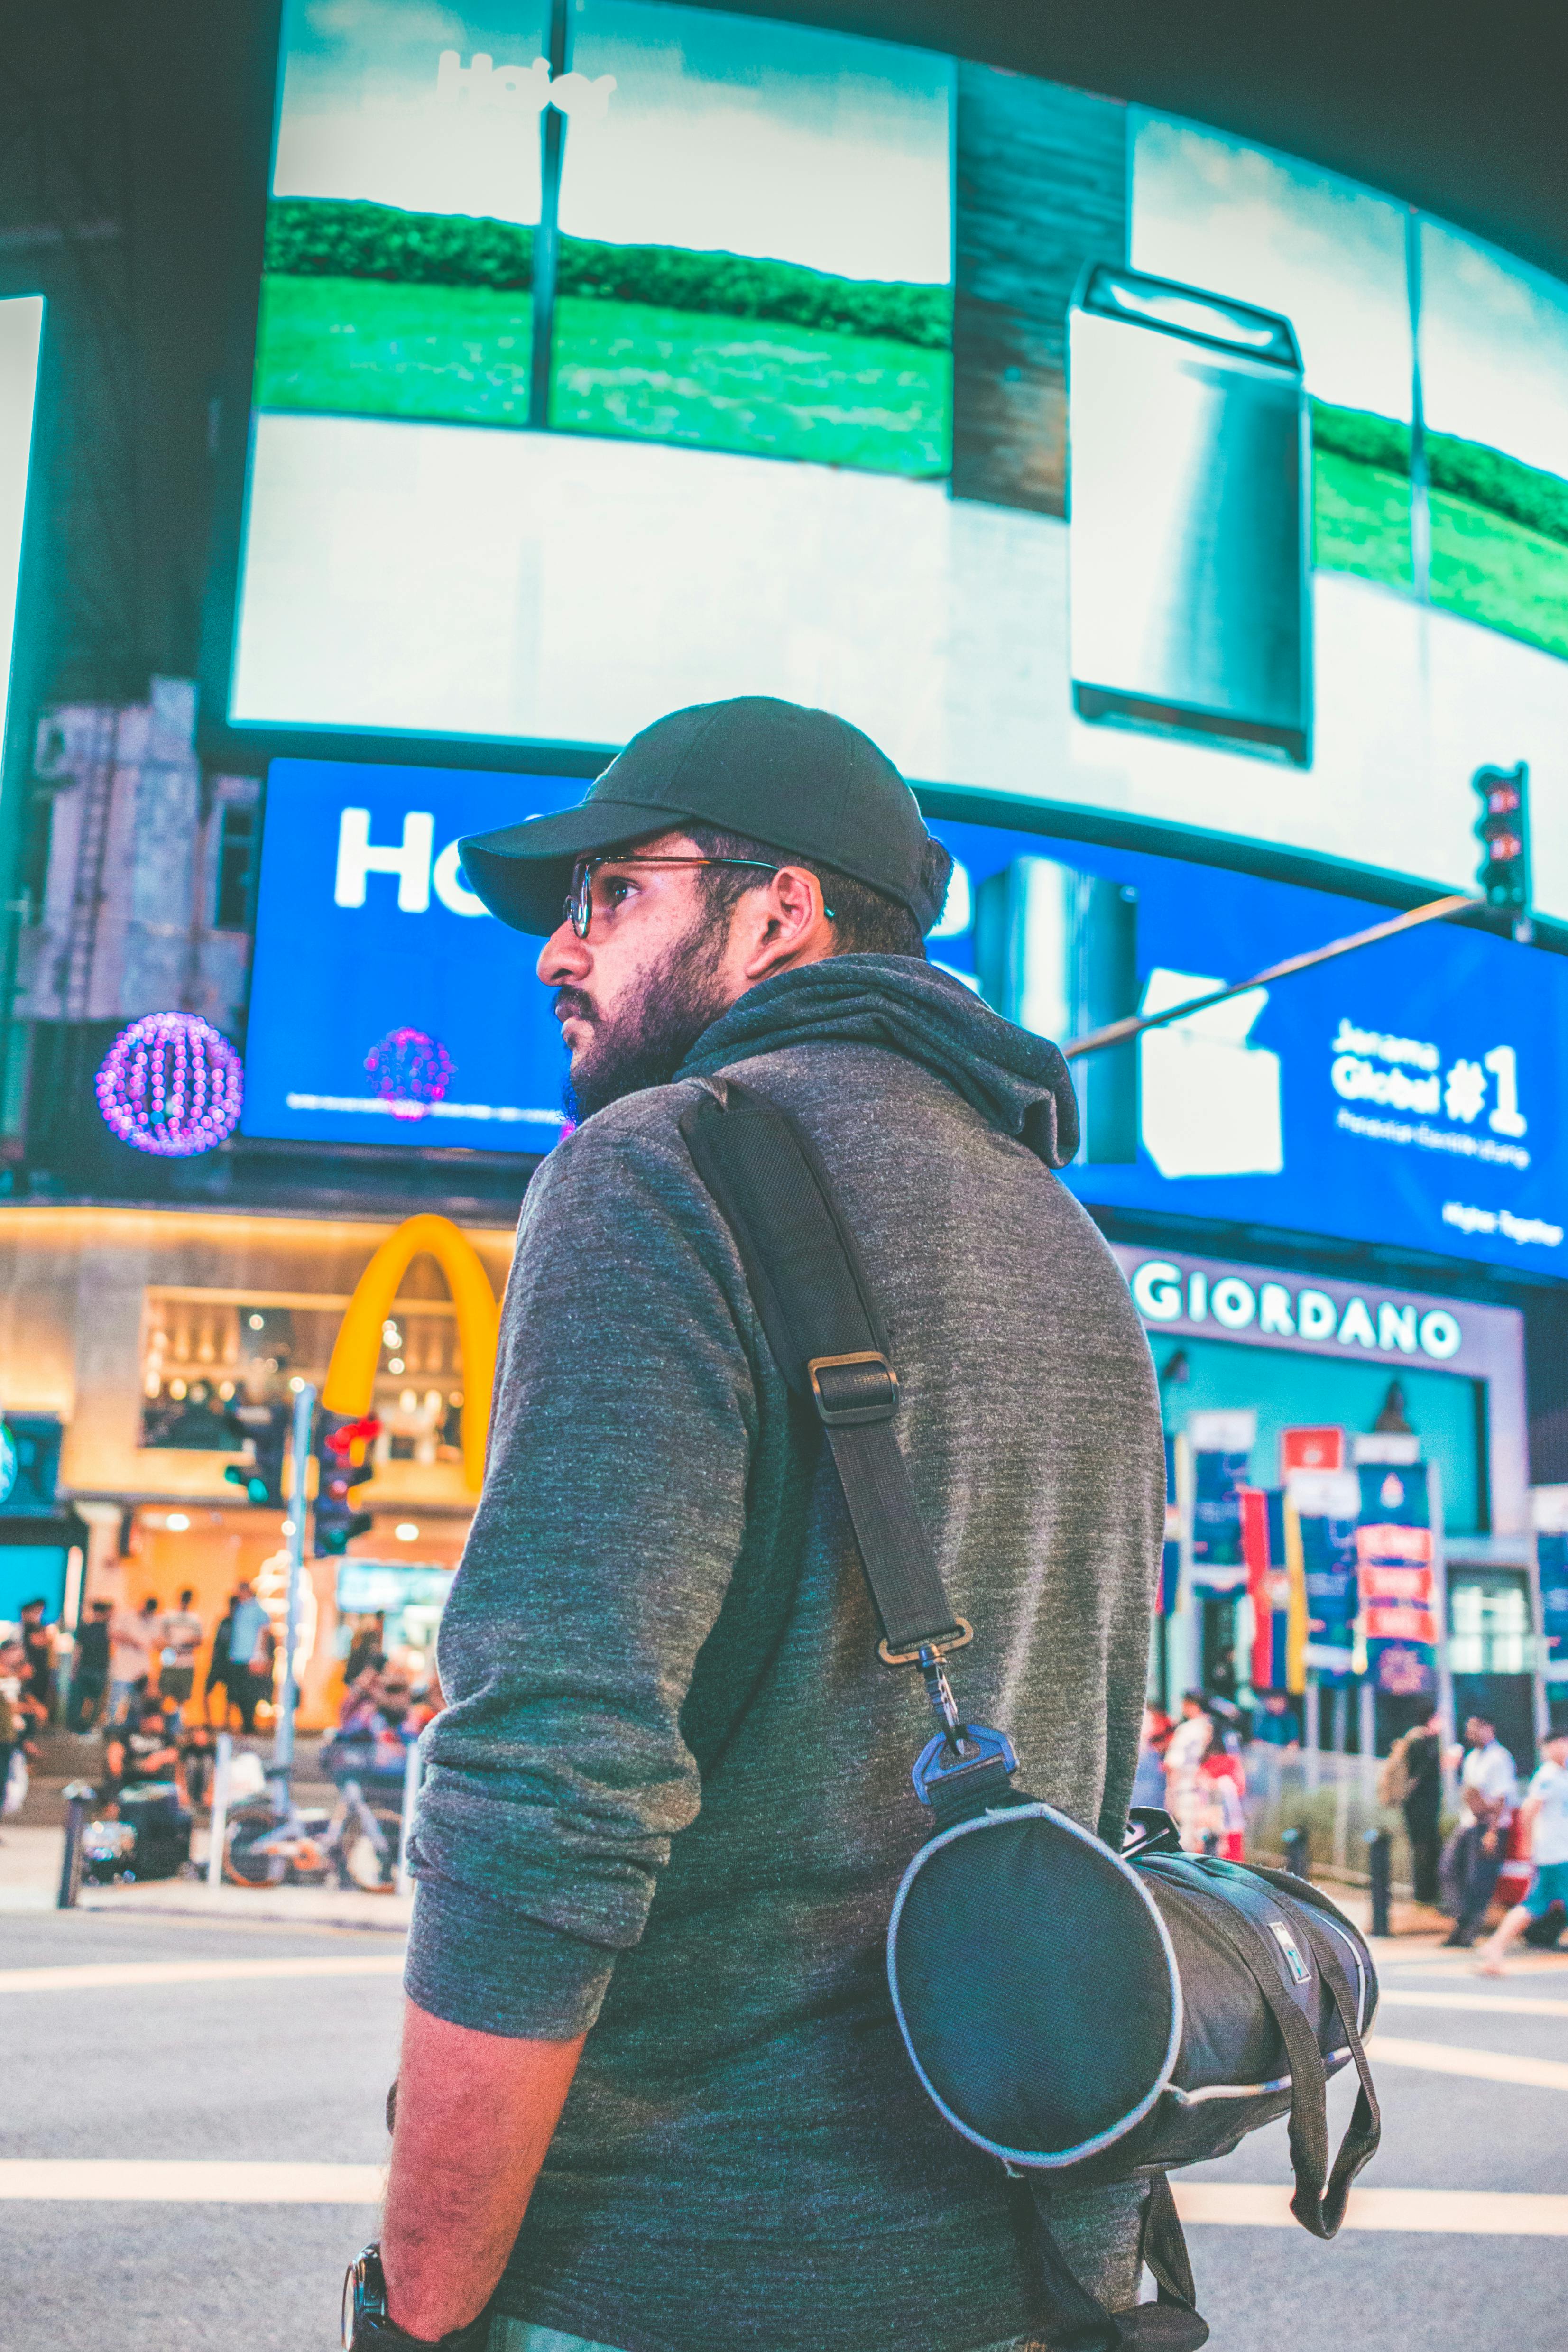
x=645, y=1042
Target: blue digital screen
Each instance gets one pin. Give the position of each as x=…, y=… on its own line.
x=387, y=1006
x=1401, y=1095
x=1404, y=1094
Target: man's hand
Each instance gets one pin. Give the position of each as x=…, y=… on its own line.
x=474, y=2114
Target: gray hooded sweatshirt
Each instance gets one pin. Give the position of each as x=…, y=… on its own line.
x=671, y=1798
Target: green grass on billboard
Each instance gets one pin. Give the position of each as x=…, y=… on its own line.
x=1360, y=519
x=1495, y=570
x=459, y=355
x=368, y=310
x=448, y=354
x=313, y=237
x=762, y=390
x=1499, y=527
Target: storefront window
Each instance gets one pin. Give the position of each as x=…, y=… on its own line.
x=1489, y=1619
x=208, y=1355
x=1287, y=1389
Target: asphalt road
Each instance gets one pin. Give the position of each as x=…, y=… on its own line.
x=289, y=2069
x=280, y=2069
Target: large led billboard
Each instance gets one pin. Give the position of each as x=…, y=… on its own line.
x=697, y=355
x=21, y=334
x=1406, y=1095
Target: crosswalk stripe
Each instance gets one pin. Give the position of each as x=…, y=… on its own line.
x=1481, y=2212
x=1486, y=2065
x=180, y=2181
x=1468, y=2212
x=1506, y=2004
x=103, y=1973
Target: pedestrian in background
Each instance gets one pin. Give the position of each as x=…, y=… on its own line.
x=143, y=1750
x=1149, y=1779
x=1421, y=1802
x=196, y=1763
x=366, y=1648
x=218, y=1664
x=13, y=1719
x=179, y=1639
x=1275, y=1724
x=248, y=1626
x=38, y=1643
x=1489, y=1791
x=1221, y=1787
x=1546, y=1814
x=90, y=1669
x=1185, y=1799
x=132, y=1642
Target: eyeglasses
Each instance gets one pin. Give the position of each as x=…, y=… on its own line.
x=579, y=910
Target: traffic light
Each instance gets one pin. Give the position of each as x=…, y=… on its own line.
x=1504, y=830
x=267, y=1427
x=343, y=1449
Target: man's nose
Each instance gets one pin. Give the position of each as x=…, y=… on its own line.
x=565, y=959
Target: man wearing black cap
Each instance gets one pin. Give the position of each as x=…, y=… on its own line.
x=668, y=1809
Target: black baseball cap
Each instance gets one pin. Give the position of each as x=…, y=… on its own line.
x=801, y=781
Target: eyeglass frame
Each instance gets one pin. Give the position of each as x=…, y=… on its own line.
x=579, y=907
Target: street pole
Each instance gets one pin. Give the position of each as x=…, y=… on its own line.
x=1380, y=1875
x=283, y=1735
x=218, y=1834
x=78, y=1795
x=1460, y=902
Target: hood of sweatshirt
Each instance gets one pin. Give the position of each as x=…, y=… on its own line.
x=1018, y=1082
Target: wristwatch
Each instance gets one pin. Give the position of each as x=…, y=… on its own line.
x=368, y=2328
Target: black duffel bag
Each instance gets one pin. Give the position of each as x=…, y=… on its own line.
x=1082, y=2014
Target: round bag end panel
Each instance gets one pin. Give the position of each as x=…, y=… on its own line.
x=1034, y=1984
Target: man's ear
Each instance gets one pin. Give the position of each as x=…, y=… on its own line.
x=794, y=928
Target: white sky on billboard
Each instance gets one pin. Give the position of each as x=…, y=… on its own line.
x=361, y=117
x=1288, y=236
x=763, y=139
x=722, y=133
x=1494, y=349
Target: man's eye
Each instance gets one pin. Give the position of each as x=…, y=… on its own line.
x=617, y=891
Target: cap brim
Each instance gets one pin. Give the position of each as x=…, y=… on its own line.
x=523, y=872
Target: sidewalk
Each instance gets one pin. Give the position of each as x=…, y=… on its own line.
x=30, y=1861
x=31, y=1858
x=32, y=1851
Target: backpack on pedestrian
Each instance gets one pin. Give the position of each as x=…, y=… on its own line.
x=1395, y=1779
x=1084, y=2015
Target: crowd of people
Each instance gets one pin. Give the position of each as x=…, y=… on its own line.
x=134, y=1675
x=26, y=1697
x=382, y=1715
x=1194, y=1768
x=124, y=1654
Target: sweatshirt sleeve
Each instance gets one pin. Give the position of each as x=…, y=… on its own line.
x=599, y=1558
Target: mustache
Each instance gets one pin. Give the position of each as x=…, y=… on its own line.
x=573, y=1004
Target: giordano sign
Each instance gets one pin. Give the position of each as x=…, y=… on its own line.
x=349, y=1384
x=1206, y=1298
x=1162, y=1293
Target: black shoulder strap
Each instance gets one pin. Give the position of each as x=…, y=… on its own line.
x=825, y=1333
x=821, y=1319
x=1075, y=2321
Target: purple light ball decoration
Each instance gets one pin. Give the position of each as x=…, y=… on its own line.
x=410, y=1071
x=171, y=1084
